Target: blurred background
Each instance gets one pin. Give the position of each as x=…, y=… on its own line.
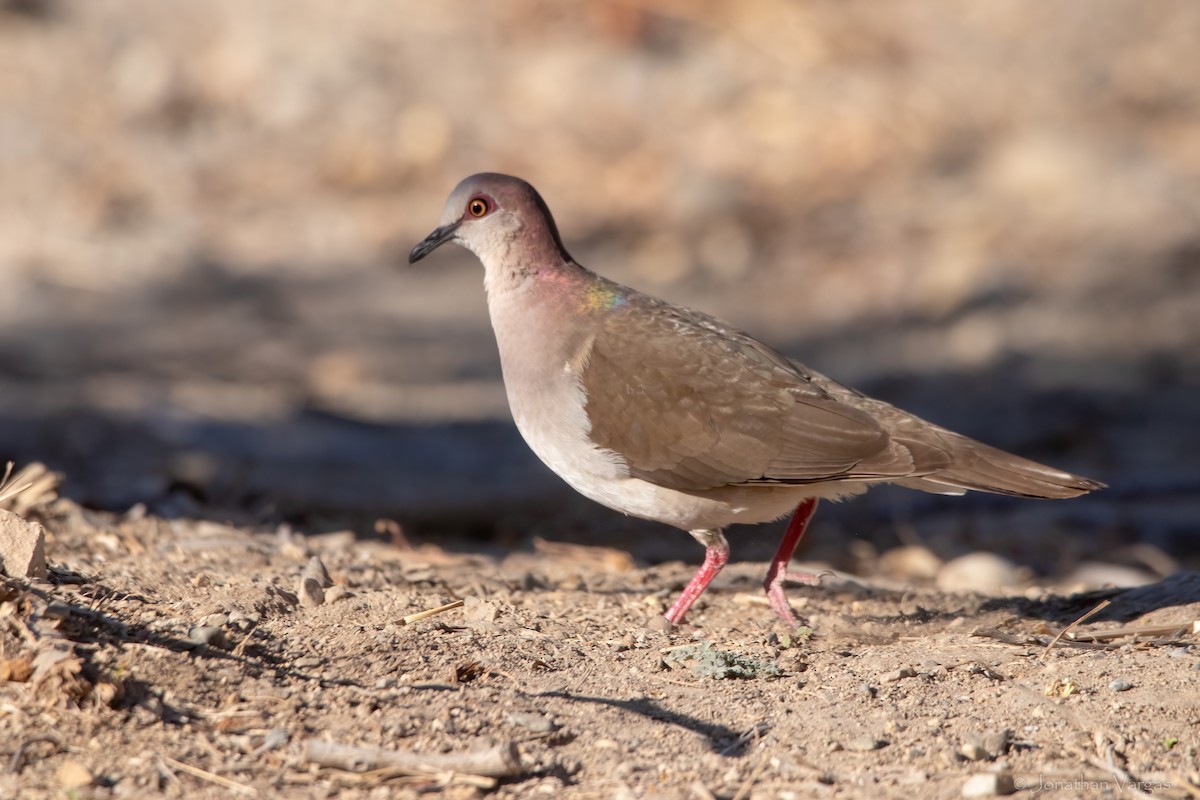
x=988, y=214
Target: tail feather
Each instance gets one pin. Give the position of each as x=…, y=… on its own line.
x=982, y=468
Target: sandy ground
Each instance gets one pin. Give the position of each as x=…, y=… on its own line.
x=179, y=659
x=987, y=216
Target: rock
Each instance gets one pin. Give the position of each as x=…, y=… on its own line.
x=988, y=784
x=74, y=775
x=1120, y=685
x=910, y=562
x=898, y=675
x=538, y=723
x=477, y=610
x=865, y=744
x=1097, y=574
x=208, y=635
x=315, y=569
x=311, y=593
x=22, y=547
x=986, y=747
x=313, y=583
x=978, y=572
x=17, y=669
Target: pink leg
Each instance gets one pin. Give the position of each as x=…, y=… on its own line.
x=716, y=553
x=777, y=573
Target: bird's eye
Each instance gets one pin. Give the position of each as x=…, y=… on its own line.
x=478, y=207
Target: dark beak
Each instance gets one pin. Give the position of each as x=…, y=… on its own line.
x=432, y=242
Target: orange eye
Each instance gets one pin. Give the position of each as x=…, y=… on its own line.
x=478, y=207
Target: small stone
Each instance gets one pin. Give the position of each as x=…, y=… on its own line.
x=22, y=547
x=477, y=610
x=315, y=568
x=74, y=775
x=313, y=583
x=312, y=594
x=538, y=723
x=972, y=751
x=659, y=624
x=211, y=635
x=910, y=562
x=865, y=744
x=996, y=743
x=17, y=670
x=898, y=675
x=335, y=594
x=1120, y=685
x=986, y=747
x=1095, y=574
x=988, y=784
x=978, y=572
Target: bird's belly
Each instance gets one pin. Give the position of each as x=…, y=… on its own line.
x=558, y=435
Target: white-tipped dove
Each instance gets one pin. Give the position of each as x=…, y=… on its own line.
x=668, y=414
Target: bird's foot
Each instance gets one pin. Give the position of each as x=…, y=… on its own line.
x=715, y=556
x=777, y=577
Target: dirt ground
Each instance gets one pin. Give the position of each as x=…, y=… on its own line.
x=985, y=214
x=177, y=659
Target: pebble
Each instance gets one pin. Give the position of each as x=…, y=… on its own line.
x=978, y=572
x=987, y=747
x=312, y=594
x=212, y=635
x=910, y=562
x=865, y=744
x=74, y=775
x=1120, y=685
x=477, y=610
x=898, y=675
x=335, y=594
x=22, y=547
x=1095, y=574
x=530, y=721
x=313, y=583
x=988, y=784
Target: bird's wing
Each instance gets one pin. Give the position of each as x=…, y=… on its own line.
x=691, y=404
x=945, y=462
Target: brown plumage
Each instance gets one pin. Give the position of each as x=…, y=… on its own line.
x=669, y=414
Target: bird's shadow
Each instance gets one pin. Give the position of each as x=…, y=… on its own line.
x=720, y=738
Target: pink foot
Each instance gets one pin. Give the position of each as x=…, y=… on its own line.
x=715, y=556
x=777, y=573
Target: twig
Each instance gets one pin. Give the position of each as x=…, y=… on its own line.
x=1134, y=630
x=205, y=775
x=420, y=615
x=744, y=791
x=1182, y=781
x=379, y=776
x=1103, y=604
x=501, y=761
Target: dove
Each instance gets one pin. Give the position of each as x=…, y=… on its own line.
x=668, y=414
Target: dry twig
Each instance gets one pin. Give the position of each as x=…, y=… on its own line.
x=501, y=761
x=1103, y=604
x=211, y=777
x=420, y=615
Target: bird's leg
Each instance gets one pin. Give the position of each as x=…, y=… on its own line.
x=716, y=553
x=777, y=573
